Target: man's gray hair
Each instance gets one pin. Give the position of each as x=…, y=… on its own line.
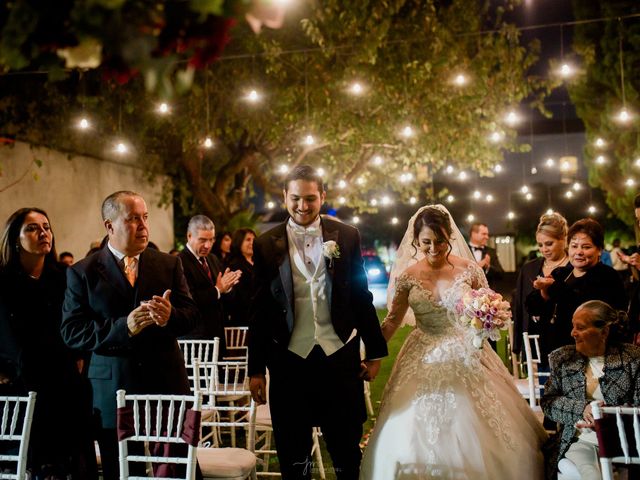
x=200, y=222
x=112, y=205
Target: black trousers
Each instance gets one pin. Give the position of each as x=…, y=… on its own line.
x=317, y=391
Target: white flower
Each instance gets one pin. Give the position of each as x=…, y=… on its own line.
x=330, y=250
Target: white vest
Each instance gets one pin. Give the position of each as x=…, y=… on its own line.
x=312, y=308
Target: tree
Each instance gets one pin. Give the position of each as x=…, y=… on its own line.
x=597, y=95
x=405, y=55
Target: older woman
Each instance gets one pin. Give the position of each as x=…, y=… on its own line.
x=598, y=367
x=239, y=298
x=33, y=355
x=555, y=298
x=551, y=237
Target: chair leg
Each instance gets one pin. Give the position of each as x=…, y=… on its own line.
x=367, y=398
x=318, y=453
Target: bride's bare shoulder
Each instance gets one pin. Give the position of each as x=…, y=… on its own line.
x=460, y=262
x=412, y=271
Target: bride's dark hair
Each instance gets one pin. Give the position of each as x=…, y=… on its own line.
x=438, y=222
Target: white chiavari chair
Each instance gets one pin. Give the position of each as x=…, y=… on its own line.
x=16, y=417
x=236, y=343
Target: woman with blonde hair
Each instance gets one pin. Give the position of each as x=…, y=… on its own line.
x=551, y=238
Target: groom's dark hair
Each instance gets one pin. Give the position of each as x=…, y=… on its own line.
x=303, y=172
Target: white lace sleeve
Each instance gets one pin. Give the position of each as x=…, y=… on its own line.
x=478, y=278
x=399, y=305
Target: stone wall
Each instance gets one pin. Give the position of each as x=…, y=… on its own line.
x=71, y=191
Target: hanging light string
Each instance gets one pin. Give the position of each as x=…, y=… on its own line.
x=620, y=56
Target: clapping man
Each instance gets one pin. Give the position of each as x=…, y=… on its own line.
x=127, y=304
x=310, y=311
x=485, y=256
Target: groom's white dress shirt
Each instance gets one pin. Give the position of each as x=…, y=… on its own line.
x=311, y=292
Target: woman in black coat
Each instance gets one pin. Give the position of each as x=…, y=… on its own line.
x=241, y=258
x=33, y=356
x=551, y=237
x=556, y=298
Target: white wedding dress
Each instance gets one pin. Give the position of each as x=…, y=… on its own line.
x=450, y=410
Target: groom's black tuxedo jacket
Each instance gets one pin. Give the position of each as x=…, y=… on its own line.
x=97, y=302
x=272, y=312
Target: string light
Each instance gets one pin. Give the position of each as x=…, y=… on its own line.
x=361, y=181
x=355, y=219
x=549, y=211
x=528, y=196
x=407, y=132
x=406, y=177
x=497, y=168
x=84, y=124
x=309, y=140
x=512, y=118
x=413, y=200
x=208, y=143
x=566, y=70
x=511, y=215
x=253, y=96
x=489, y=198
x=283, y=169
x=550, y=162
x=477, y=194
x=630, y=182
x=496, y=137
x=591, y=209
x=637, y=164
x=320, y=171
x=378, y=160
x=577, y=186
x=394, y=221
x=600, y=143
x=121, y=148
x=342, y=200
x=462, y=175
x=565, y=166
x=451, y=198
x=534, y=170
x=356, y=88
x=385, y=200
x=449, y=169
x=374, y=202
x=623, y=116
x=270, y=205
x=471, y=217
x=524, y=189
x=569, y=194
x=460, y=80
x=342, y=184
x=601, y=160
x=163, y=108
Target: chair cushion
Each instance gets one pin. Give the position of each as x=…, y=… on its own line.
x=568, y=470
x=522, y=384
x=226, y=462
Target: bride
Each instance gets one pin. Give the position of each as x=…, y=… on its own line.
x=449, y=410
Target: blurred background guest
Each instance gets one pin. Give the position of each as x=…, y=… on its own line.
x=555, y=298
x=551, y=237
x=33, y=356
x=597, y=367
x=66, y=258
x=241, y=258
x=222, y=247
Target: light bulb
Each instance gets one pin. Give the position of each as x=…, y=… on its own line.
x=270, y=205
x=394, y=221
x=283, y=168
x=413, y=200
x=208, y=143
x=528, y=196
x=477, y=194
x=511, y=215
x=549, y=211
x=577, y=186
x=163, y=108
x=462, y=175
x=407, y=132
x=121, y=148
x=497, y=168
x=342, y=184
x=601, y=160
x=356, y=88
x=496, y=137
x=451, y=198
x=564, y=166
x=511, y=118
x=449, y=169
x=342, y=200
x=569, y=194
x=566, y=70
x=550, y=162
x=84, y=124
x=320, y=171
x=374, y=202
x=471, y=217
x=623, y=116
x=355, y=219
x=630, y=182
x=385, y=200
x=378, y=160
x=253, y=96
x=600, y=143
x=637, y=164
x=361, y=181
x=460, y=80
x=489, y=198
x=534, y=170
x=524, y=189
x=309, y=140
x=591, y=209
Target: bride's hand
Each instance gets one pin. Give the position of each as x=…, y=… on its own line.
x=369, y=369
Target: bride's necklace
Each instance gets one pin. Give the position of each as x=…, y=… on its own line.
x=551, y=266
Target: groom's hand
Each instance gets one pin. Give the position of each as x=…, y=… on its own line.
x=369, y=369
x=258, y=387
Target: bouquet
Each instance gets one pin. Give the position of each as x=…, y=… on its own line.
x=485, y=313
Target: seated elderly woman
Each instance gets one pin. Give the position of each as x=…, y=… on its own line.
x=599, y=367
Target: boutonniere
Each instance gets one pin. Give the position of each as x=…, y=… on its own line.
x=330, y=250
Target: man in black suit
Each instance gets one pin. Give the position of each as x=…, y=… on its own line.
x=485, y=256
x=310, y=311
x=207, y=282
x=127, y=305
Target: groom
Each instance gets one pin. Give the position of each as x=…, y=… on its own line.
x=311, y=309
